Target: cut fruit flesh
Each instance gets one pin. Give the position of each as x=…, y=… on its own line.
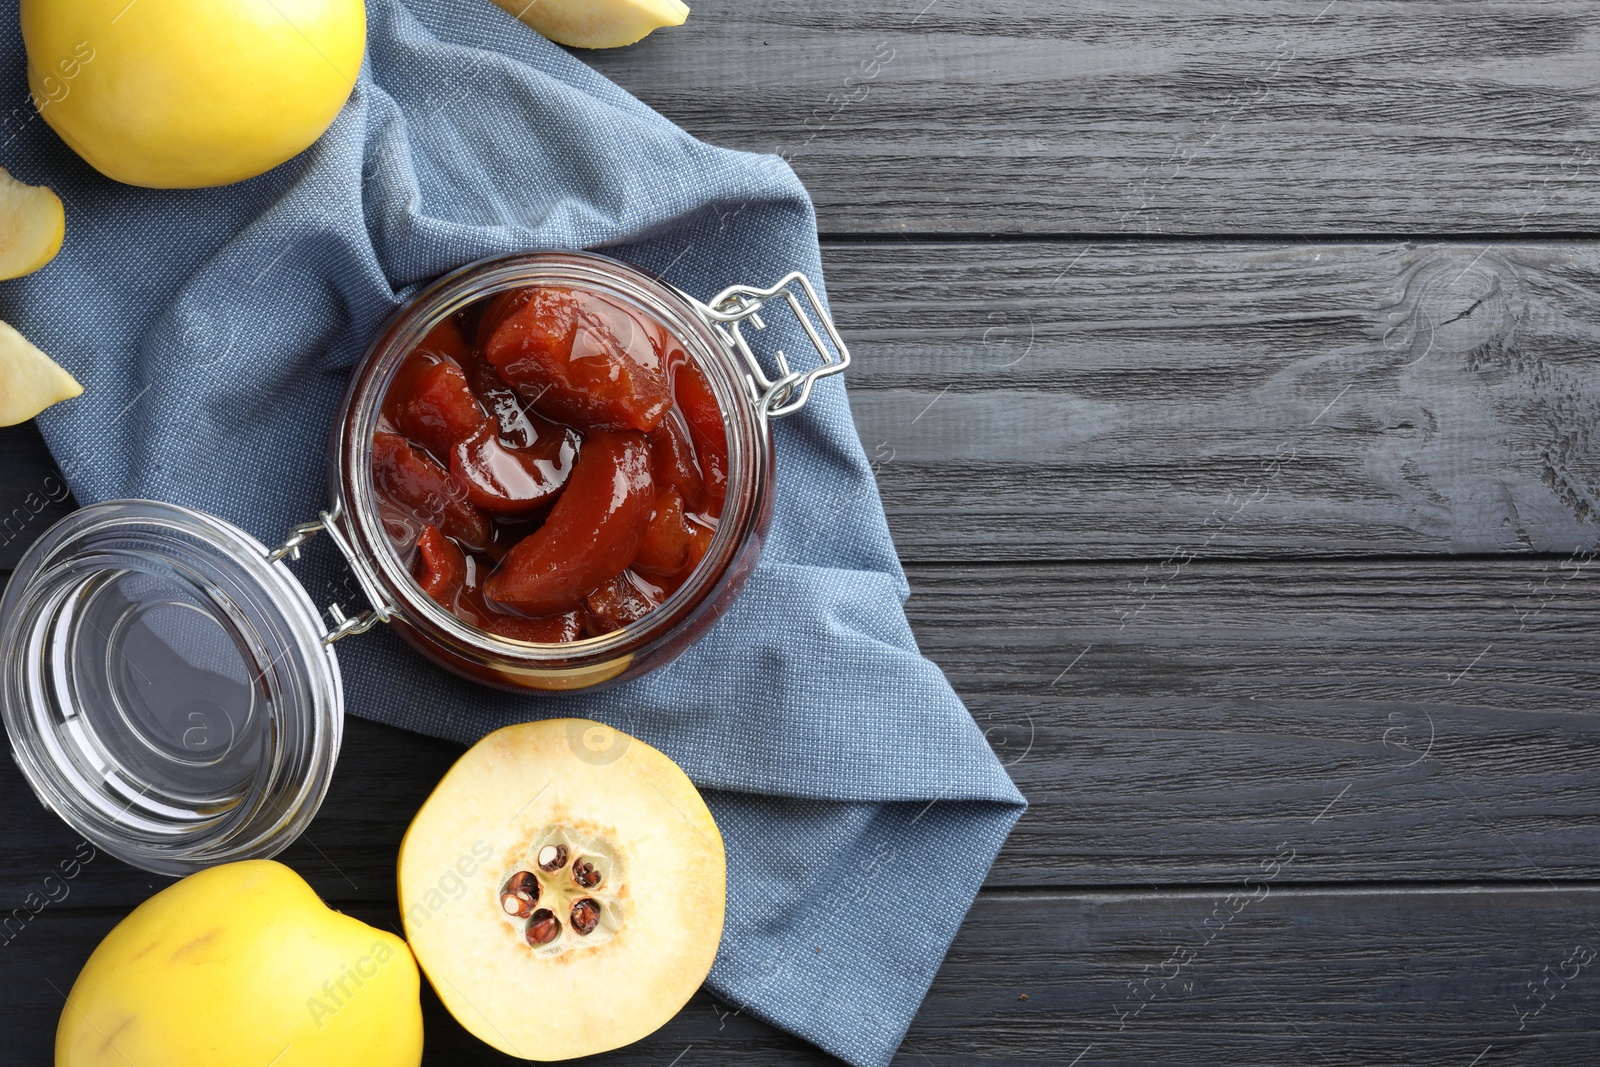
x=32, y=224
x=597, y=23
x=591, y=534
x=30, y=381
x=601, y=909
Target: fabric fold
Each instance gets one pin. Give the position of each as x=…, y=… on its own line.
x=214, y=331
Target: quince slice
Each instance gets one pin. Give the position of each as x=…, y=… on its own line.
x=597, y=23
x=30, y=381
x=32, y=224
x=563, y=889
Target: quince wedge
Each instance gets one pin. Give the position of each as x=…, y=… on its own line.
x=597, y=23
x=32, y=224
x=30, y=381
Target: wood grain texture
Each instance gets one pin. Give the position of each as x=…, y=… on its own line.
x=1152, y=116
x=1249, y=973
x=1255, y=974
x=1071, y=400
x=1403, y=721
x=1079, y=400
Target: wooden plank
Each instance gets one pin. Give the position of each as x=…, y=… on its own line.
x=1064, y=400
x=1402, y=720
x=1149, y=116
x=1073, y=400
x=1251, y=973
x=1247, y=973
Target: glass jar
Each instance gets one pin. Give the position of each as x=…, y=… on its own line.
x=747, y=397
x=170, y=689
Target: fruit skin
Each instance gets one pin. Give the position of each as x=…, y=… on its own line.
x=30, y=381
x=238, y=966
x=473, y=830
x=181, y=94
x=32, y=224
x=597, y=23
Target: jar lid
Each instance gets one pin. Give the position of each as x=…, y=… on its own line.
x=167, y=686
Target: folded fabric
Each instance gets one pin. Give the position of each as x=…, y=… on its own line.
x=214, y=330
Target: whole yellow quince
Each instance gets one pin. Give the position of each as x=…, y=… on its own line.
x=241, y=966
x=179, y=94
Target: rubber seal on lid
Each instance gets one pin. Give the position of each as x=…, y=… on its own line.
x=166, y=688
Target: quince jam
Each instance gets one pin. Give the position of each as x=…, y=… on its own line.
x=550, y=463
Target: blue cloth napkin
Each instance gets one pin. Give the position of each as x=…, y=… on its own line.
x=214, y=330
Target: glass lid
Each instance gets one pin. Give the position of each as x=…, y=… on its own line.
x=166, y=686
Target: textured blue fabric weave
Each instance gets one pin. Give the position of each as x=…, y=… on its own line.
x=214, y=330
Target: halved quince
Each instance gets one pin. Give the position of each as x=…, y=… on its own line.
x=32, y=224
x=563, y=889
x=30, y=381
x=597, y=23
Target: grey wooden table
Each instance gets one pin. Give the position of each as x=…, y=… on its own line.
x=1230, y=370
